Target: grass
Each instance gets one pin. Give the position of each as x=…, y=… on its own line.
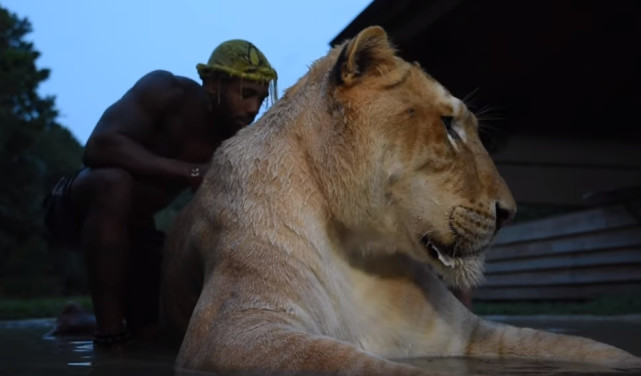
x=17, y=308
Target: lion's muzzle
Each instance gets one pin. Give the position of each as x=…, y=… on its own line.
x=472, y=229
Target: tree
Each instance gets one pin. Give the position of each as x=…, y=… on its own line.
x=34, y=151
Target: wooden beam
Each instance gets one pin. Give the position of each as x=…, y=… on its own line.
x=598, y=219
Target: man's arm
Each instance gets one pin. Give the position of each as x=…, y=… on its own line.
x=127, y=126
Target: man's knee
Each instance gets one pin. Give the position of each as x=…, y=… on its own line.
x=109, y=188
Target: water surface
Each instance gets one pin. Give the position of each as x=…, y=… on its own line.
x=26, y=350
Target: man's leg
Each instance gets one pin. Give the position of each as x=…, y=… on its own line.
x=106, y=197
x=143, y=283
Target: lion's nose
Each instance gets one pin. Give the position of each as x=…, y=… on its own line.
x=503, y=215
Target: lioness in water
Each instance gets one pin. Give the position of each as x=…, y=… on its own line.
x=312, y=245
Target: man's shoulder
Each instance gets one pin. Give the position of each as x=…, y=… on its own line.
x=164, y=89
x=162, y=78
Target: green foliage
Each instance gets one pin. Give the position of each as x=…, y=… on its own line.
x=34, y=152
x=16, y=309
x=165, y=217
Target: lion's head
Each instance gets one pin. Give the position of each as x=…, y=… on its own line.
x=414, y=175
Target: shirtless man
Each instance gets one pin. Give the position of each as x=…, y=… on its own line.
x=148, y=147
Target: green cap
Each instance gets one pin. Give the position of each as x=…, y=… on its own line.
x=238, y=58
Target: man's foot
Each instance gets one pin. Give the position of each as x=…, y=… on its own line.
x=111, y=339
x=74, y=321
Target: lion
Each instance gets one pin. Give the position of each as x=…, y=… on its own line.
x=322, y=238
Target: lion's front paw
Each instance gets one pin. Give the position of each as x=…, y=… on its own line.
x=623, y=361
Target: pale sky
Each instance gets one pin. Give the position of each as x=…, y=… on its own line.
x=97, y=49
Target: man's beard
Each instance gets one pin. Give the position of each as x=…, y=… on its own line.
x=225, y=124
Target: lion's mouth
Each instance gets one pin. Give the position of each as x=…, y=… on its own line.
x=436, y=253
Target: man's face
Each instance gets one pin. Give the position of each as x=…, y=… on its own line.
x=240, y=101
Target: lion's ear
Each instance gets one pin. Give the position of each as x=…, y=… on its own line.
x=369, y=49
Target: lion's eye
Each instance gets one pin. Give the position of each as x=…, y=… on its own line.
x=447, y=123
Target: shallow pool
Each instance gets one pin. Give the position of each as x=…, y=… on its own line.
x=26, y=350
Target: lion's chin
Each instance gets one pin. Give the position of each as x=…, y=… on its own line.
x=460, y=272
x=456, y=271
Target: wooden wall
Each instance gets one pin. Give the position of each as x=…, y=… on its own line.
x=557, y=170
x=581, y=255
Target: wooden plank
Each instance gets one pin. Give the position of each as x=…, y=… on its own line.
x=570, y=292
x=625, y=237
x=600, y=274
x=562, y=185
x=573, y=223
x=526, y=149
x=566, y=261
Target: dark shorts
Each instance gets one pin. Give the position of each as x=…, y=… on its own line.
x=62, y=222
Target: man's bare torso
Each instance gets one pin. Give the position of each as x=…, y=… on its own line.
x=167, y=117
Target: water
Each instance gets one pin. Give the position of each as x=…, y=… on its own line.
x=26, y=350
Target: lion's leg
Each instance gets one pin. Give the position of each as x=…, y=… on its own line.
x=233, y=335
x=463, y=333
x=499, y=340
x=293, y=352
x=262, y=343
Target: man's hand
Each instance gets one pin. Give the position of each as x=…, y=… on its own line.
x=196, y=174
